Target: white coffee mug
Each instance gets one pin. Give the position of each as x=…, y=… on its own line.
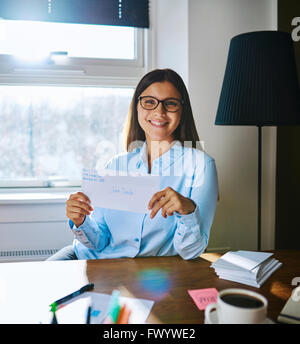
x=237, y=314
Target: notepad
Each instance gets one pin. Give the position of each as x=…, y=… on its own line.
x=246, y=267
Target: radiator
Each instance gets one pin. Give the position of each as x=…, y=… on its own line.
x=26, y=255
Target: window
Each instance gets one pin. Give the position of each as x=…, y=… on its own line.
x=64, y=111
x=48, y=134
x=39, y=39
x=43, y=49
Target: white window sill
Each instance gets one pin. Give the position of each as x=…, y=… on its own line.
x=33, y=198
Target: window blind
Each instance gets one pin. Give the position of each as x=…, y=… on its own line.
x=100, y=12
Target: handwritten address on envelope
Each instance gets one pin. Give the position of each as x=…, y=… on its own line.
x=128, y=193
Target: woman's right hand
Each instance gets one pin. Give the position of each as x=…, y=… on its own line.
x=77, y=207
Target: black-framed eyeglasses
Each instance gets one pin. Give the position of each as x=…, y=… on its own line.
x=169, y=104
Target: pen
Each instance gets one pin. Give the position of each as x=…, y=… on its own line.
x=88, y=315
x=71, y=296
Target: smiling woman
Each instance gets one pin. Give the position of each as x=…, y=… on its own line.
x=154, y=115
x=182, y=211
x=162, y=84
x=165, y=113
x=160, y=113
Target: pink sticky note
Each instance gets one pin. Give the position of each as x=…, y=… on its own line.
x=203, y=297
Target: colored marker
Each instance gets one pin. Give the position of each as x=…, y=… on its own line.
x=121, y=313
x=53, y=310
x=71, y=296
x=114, y=307
x=125, y=319
x=54, y=320
x=124, y=314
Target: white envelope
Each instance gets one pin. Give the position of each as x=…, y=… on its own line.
x=128, y=193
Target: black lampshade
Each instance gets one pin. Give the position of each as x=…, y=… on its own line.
x=260, y=84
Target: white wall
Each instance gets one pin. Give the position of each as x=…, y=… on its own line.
x=192, y=37
x=31, y=224
x=169, y=26
x=211, y=25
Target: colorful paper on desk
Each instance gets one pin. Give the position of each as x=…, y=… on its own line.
x=75, y=310
x=128, y=193
x=203, y=297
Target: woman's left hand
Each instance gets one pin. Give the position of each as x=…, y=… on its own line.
x=168, y=200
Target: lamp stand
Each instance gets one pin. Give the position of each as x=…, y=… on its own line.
x=259, y=192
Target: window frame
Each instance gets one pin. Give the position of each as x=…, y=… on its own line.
x=81, y=72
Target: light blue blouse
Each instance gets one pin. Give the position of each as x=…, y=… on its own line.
x=108, y=233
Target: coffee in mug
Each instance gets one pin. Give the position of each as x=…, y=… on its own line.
x=242, y=300
x=238, y=306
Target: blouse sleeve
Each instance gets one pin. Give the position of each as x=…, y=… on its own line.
x=192, y=233
x=93, y=232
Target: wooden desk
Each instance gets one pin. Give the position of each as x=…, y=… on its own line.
x=57, y=279
x=178, y=306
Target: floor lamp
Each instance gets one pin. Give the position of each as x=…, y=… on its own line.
x=260, y=88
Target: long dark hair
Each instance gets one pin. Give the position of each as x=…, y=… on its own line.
x=186, y=130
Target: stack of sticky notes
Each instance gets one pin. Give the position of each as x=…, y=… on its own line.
x=247, y=267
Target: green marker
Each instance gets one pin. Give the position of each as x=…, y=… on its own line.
x=53, y=310
x=114, y=306
x=78, y=292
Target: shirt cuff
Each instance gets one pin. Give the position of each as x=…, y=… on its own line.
x=73, y=226
x=189, y=218
x=85, y=224
x=79, y=232
x=190, y=221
